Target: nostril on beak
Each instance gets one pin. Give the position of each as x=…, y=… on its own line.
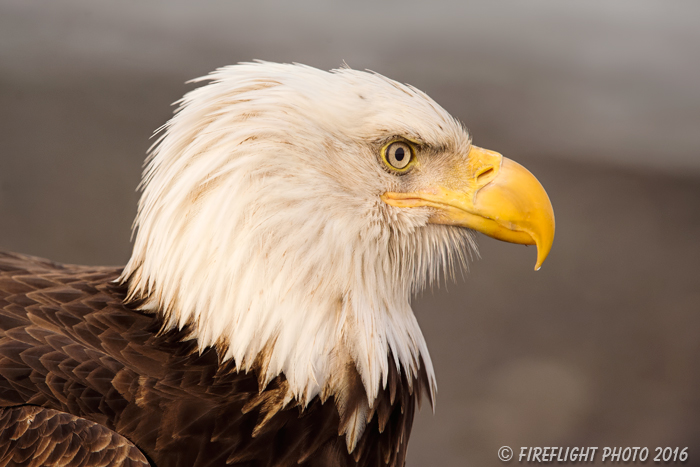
x=483, y=174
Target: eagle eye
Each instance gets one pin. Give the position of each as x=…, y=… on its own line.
x=398, y=156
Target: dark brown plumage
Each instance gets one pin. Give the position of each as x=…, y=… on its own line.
x=35, y=436
x=74, y=357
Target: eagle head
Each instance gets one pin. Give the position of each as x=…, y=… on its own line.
x=289, y=213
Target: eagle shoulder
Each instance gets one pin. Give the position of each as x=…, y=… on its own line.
x=69, y=344
x=33, y=436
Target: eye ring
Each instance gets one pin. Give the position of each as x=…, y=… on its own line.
x=399, y=156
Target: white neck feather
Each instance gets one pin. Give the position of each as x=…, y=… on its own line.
x=263, y=230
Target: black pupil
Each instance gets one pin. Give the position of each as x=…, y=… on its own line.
x=399, y=154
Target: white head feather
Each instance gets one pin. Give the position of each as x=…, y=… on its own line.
x=261, y=224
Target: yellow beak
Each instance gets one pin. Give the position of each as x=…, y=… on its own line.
x=492, y=195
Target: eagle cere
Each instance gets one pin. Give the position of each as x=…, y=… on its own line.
x=264, y=317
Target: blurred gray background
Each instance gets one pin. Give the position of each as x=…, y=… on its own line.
x=600, y=99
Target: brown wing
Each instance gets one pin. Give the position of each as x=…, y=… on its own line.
x=68, y=343
x=37, y=437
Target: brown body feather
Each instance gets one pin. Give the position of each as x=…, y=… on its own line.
x=71, y=348
x=33, y=436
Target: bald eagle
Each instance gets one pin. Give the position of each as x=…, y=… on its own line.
x=264, y=318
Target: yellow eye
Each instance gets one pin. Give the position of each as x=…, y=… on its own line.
x=398, y=156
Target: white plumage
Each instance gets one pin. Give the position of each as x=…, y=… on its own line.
x=261, y=222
